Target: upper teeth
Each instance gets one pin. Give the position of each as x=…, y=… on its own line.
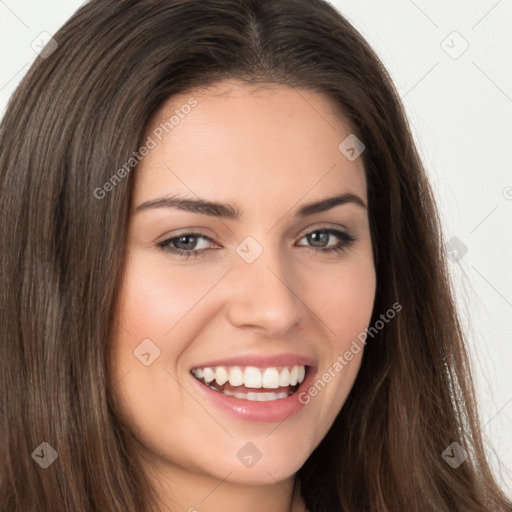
x=252, y=377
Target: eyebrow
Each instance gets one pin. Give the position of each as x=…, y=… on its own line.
x=226, y=211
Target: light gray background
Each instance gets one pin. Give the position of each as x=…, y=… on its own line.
x=459, y=104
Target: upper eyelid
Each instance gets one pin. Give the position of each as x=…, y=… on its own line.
x=322, y=228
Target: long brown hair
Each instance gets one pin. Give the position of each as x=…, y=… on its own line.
x=77, y=117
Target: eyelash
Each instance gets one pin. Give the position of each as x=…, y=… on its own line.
x=346, y=240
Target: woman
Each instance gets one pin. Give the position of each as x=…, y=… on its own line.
x=221, y=274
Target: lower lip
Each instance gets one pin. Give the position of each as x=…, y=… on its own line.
x=264, y=412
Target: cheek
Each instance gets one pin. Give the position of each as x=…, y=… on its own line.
x=155, y=299
x=342, y=296
x=159, y=312
x=153, y=306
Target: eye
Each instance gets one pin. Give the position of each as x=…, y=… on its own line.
x=321, y=240
x=186, y=244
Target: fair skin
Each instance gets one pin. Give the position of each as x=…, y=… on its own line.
x=267, y=151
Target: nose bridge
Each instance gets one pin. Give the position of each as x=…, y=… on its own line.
x=265, y=294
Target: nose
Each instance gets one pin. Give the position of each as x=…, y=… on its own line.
x=265, y=296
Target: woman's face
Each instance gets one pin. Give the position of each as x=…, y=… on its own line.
x=276, y=295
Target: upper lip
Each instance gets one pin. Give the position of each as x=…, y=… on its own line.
x=260, y=361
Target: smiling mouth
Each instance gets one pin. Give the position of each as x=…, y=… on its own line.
x=252, y=383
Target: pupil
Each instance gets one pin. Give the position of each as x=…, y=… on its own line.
x=188, y=241
x=318, y=236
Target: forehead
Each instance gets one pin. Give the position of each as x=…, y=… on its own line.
x=258, y=142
